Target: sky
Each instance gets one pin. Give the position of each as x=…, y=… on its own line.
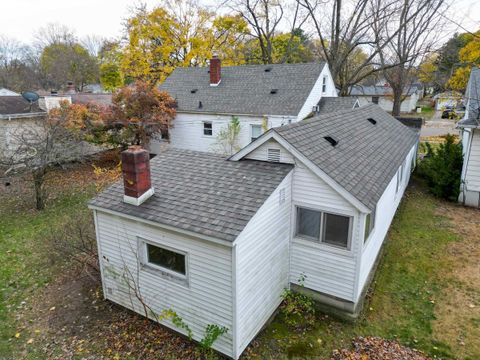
x=20, y=19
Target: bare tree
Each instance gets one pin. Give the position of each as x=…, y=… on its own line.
x=415, y=32
x=93, y=44
x=54, y=33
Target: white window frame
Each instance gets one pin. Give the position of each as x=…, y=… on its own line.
x=251, y=131
x=322, y=229
x=203, y=128
x=324, y=84
x=160, y=270
x=373, y=216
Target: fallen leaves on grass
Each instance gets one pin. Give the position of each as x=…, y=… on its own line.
x=374, y=348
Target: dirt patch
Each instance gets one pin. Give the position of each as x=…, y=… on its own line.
x=458, y=308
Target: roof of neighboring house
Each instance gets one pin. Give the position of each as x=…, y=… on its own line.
x=100, y=99
x=201, y=192
x=367, y=155
x=10, y=105
x=473, y=100
x=6, y=92
x=329, y=104
x=375, y=90
x=448, y=94
x=244, y=89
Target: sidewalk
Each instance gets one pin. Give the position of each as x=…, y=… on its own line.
x=436, y=126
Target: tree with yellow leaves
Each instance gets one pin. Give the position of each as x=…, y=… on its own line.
x=469, y=56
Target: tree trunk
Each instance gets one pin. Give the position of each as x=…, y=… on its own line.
x=397, y=101
x=38, y=180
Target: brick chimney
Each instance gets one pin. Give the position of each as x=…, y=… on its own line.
x=215, y=71
x=136, y=175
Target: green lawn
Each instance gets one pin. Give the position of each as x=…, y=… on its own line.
x=412, y=278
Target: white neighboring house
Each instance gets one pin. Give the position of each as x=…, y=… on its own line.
x=261, y=96
x=447, y=98
x=6, y=92
x=383, y=97
x=218, y=240
x=470, y=127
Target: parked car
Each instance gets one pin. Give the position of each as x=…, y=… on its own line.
x=449, y=113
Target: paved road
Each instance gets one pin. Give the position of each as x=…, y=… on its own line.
x=437, y=126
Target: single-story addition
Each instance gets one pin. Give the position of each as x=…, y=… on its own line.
x=470, y=127
x=261, y=96
x=218, y=240
x=336, y=103
x=383, y=97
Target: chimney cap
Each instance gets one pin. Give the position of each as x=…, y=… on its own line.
x=135, y=148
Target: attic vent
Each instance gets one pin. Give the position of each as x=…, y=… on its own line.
x=273, y=91
x=273, y=155
x=372, y=121
x=268, y=69
x=331, y=140
x=193, y=91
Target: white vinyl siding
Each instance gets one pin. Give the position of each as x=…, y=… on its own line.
x=329, y=270
x=472, y=173
x=261, y=152
x=262, y=263
x=385, y=210
x=206, y=299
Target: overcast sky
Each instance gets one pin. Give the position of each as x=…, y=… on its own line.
x=21, y=18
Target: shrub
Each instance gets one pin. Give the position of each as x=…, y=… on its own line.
x=298, y=309
x=442, y=168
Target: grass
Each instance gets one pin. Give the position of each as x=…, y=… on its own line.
x=410, y=278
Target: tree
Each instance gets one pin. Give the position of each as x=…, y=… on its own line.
x=110, y=76
x=468, y=56
x=62, y=62
x=42, y=145
x=138, y=113
x=227, y=138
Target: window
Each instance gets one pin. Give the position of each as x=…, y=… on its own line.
x=375, y=99
x=273, y=155
x=256, y=131
x=399, y=178
x=166, y=259
x=324, y=84
x=369, y=225
x=207, y=129
x=324, y=227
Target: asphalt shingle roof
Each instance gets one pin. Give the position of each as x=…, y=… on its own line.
x=10, y=105
x=366, y=157
x=473, y=100
x=331, y=104
x=244, y=89
x=201, y=192
x=377, y=90
x=100, y=99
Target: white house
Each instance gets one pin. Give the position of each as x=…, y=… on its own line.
x=6, y=92
x=470, y=180
x=447, y=98
x=261, y=96
x=218, y=240
x=383, y=97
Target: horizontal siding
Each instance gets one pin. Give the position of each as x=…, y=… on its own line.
x=206, y=300
x=472, y=174
x=328, y=270
x=386, y=208
x=262, y=264
x=260, y=153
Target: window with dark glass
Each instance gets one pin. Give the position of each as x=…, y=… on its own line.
x=369, y=225
x=324, y=227
x=375, y=99
x=256, y=132
x=324, y=84
x=207, y=129
x=167, y=259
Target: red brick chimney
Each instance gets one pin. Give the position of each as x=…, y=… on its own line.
x=215, y=71
x=70, y=87
x=136, y=175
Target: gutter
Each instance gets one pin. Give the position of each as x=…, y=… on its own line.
x=22, y=116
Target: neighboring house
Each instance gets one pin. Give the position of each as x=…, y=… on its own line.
x=337, y=103
x=6, y=92
x=447, y=98
x=383, y=97
x=218, y=240
x=49, y=102
x=470, y=126
x=261, y=96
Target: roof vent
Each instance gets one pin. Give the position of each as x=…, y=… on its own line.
x=200, y=105
x=193, y=91
x=331, y=140
x=273, y=91
x=273, y=155
x=268, y=69
x=372, y=121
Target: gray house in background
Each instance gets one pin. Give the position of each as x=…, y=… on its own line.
x=383, y=97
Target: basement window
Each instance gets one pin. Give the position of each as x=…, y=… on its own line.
x=324, y=227
x=207, y=128
x=273, y=155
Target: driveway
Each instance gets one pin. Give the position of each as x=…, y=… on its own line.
x=436, y=126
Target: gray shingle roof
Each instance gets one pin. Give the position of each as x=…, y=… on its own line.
x=10, y=105
x=376, y=90
x=473, y=100
x=330, y=104
x=244, y=89
x=366, y=157
x=100, y=99
x=201, y=192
